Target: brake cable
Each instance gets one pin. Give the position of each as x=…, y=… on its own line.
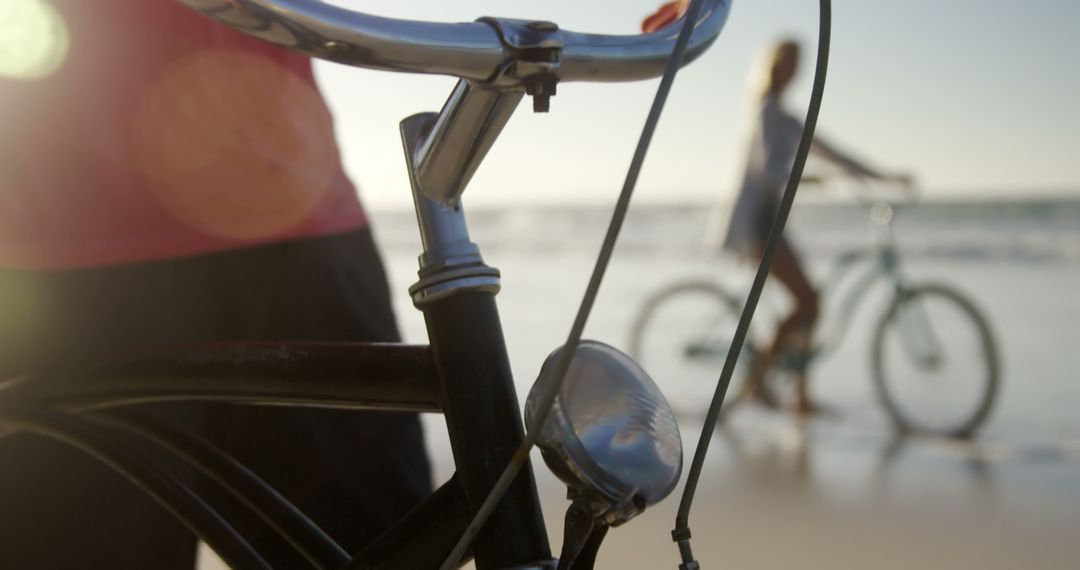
x=681, y=534
x=547, y=399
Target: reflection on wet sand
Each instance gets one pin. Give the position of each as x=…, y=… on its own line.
x=782, y=455
x=788, y=446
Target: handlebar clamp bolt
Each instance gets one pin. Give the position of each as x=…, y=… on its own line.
x=541, y=89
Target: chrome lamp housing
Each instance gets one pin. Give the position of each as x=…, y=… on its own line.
x=611, y=436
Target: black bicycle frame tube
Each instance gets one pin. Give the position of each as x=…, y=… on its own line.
x=423, y=537
x=880, y=265
x=481, y=408
x=332, y=375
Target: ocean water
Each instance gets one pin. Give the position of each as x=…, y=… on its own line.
x=1019, y=261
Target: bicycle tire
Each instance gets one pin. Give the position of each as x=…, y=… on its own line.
x=970, y=333
x=681, y=336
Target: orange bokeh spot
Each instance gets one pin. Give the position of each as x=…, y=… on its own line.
x=234, y=145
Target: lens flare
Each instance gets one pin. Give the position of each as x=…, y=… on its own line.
x=22, y=309
x=234, y=145
x=34, y=39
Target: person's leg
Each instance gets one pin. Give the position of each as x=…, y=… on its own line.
x=794, y=332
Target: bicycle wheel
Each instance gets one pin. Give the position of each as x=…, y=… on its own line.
x=681, y=337
x=935, y=362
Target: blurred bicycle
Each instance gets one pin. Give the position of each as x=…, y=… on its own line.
x=934, y=360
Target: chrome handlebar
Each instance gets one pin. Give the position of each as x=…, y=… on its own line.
x=485, y=50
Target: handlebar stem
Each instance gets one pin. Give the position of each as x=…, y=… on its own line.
x=451, y=262
x=449, y=152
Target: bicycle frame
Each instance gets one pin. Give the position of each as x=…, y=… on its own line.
x=464, y=373
x=882, y=263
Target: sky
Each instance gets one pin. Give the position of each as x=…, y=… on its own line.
x=974, y=98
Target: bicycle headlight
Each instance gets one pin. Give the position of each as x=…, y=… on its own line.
x=611, y=436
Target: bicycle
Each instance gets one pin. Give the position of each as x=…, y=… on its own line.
x=463, y=373
x=921, y=344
